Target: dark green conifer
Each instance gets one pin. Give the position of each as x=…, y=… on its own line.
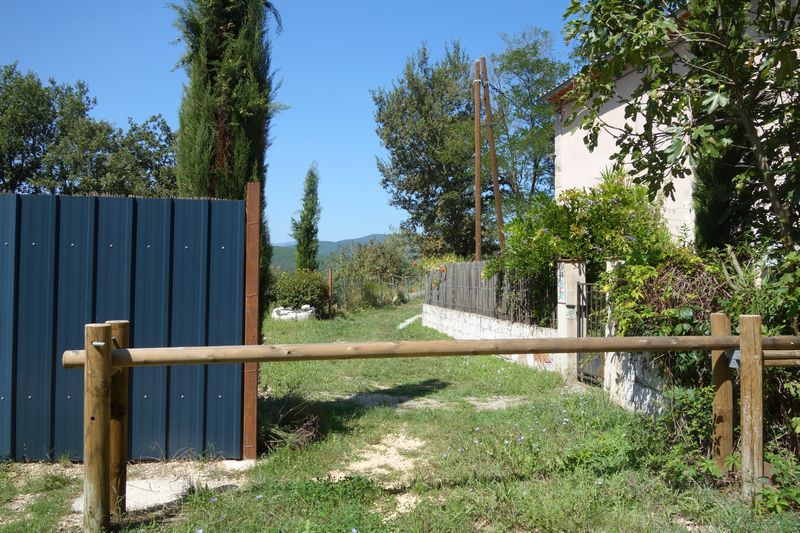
x=305, y=231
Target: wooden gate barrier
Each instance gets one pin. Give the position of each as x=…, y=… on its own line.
x=106, y=358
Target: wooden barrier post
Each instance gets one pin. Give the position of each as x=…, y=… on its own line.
x=751, y=372
x=118, y=425
x=722, y=380
x=252, y=316
x=96, y=414
x=330, y=291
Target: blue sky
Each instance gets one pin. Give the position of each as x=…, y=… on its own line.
x=328, y=58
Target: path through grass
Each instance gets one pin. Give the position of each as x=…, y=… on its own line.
x=420, y=445
x=443, y=444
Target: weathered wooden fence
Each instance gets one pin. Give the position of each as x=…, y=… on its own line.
x=462, y=287
x=173, y=267
x=104, y=481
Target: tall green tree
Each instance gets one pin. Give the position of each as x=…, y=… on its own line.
x=306, y=230
x=228, y=102
x=525, y=72
x=716, y=75
x=425, y=123
x=50, y=143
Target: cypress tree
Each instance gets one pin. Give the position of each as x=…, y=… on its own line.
x=305, y=231
x=228, y=103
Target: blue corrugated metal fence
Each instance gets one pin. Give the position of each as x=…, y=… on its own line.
x=175, y=268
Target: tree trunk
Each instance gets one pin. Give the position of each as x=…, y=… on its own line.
x=776, y=205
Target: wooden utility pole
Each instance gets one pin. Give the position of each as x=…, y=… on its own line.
x=476, y=99
x=498, y=200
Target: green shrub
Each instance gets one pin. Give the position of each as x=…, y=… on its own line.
x=295, y=289
x=785, y=493
x=614, y=220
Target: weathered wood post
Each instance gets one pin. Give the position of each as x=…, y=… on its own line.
x=96, y=415
x=476, y=102
x=118, y=425
x=498, y=198
x=330, y=291
x=722, y=379
x=752, y=368
x=252, y=316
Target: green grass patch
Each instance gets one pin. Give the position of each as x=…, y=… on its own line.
x=555, y=459
x=37, y=503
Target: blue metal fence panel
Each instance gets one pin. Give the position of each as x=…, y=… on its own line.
x=8, y=261
x=114, y=259
x=34, y=352
x=150, y=327
x=174, y=267
x=74, y=308
x=225, y=320
x=188, y=326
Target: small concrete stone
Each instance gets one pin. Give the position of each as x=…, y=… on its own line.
x=238, y=466
x=145, y=494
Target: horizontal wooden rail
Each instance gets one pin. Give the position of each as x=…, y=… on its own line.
x=377, y=350
x=781, y=354
x=781, y=362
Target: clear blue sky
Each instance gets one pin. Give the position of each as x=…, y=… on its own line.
x=328, y=58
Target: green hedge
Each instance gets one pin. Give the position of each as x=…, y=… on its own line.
x=295, y=289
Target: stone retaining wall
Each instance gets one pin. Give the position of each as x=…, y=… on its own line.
x=631, y=380
x=464, y=326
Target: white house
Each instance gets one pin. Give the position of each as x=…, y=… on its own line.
x=577, y=167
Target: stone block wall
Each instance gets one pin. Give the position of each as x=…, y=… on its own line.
x=464, y=326
x=630, y=380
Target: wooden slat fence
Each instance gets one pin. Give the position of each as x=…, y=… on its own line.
x=462, y=287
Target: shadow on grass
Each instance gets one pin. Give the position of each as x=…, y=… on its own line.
x=295, y=421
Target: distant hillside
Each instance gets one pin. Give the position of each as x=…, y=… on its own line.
x=283, y=256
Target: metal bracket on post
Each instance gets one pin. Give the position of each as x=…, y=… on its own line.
x=734, y=358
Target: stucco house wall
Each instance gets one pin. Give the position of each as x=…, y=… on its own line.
x=577, y=167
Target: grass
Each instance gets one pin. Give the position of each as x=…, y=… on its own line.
x=33, y=504
x=561, y=460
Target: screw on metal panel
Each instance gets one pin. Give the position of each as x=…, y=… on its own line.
x=186, y=246
x=2, y=397
x=30, y=396
x=219, y=396
x=145, y=396
x=222, y=247
x=182, y=396
x=34, y=244
x=111, y=245
x=69, y=396
x=147, y=245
